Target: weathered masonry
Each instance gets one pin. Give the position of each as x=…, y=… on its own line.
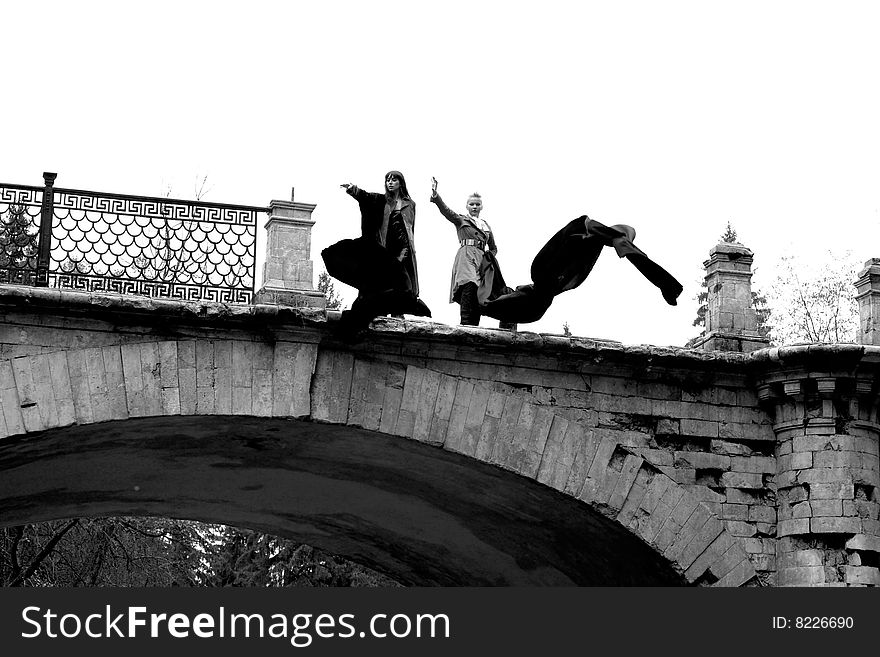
x=454, y=455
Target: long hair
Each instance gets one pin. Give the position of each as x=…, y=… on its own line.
x=403, y=191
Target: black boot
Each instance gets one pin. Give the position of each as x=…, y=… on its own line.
x=470, y=305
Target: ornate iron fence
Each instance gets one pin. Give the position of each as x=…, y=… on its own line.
x=152, y=246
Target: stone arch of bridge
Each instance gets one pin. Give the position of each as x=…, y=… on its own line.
x=432, y=478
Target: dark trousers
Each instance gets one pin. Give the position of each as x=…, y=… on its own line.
x=470, y=306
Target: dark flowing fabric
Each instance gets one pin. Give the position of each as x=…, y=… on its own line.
x=384, y=286
x=564, y=263
x=364, y=264
x=492, y=283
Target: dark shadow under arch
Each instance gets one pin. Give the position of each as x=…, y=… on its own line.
x=420, y=514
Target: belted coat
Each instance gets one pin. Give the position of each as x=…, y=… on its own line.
x=475, y=259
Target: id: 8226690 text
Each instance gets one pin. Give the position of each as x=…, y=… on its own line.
x=813, y=622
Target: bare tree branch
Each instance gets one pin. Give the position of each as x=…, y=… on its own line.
x=45, y=552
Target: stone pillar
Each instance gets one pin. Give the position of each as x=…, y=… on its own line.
x=731, y=322
x=824, y=402
x=287, y=272
x=868, y=297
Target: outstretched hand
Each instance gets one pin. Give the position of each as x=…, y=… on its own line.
x=433, y=187
x=346, y=186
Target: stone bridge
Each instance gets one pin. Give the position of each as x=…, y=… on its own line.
x=453, y=455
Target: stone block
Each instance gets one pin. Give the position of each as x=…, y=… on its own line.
x=710, y=556
x=656, y=457
x=864, y=543
x=739, y=575
x=558, y=455
x=823, y=475
x=826, y=507
x=60, y=377
x=704, y=460
x=691, y=529
x=800, y=558
x=742, y=496
x=528, y=439
x=457, y=415
x=793, y=527
x=585, y=443
x=107, y=384
x=510, y=417
x=390, y=409
x=764, y=562
x=598, y=471
x=704, y=493
x=704, y=537
x=442, y=409
x=628, y=475
x=815, y=443
x=800, y=460
x=739, y=528
x=650, y=525
x=359, y=382
x=673, y=409
x=835, y=490
x=762, y=514
x=261, y=394
x=668, y=426
x=866, y=575
x=835, y=525
x=734, y=512
x=742, y=480
x=79, y=385
x=729, y=448
x=756, y=545
x=699, y=428
x=835, y=459
x=425, y=402
x=684, y=476
x=801, y=576
x=753, y=464
x=634, y=497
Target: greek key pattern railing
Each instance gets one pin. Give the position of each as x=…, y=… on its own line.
x=160, y=247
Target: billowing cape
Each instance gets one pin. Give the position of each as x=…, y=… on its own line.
x=564, y=263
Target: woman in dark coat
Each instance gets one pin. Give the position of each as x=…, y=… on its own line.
x=566, y=261
x=381, y=263
x=476, y=276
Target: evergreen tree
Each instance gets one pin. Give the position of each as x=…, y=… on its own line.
x=18, y=247
x=729, y=235
x=325, y=286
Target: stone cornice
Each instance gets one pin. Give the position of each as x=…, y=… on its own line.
x=386, y=333
x=811, y=359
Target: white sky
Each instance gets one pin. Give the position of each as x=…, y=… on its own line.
x=674, y=117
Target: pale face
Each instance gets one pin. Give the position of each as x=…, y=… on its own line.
x=474, y=206
x=392, y=184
